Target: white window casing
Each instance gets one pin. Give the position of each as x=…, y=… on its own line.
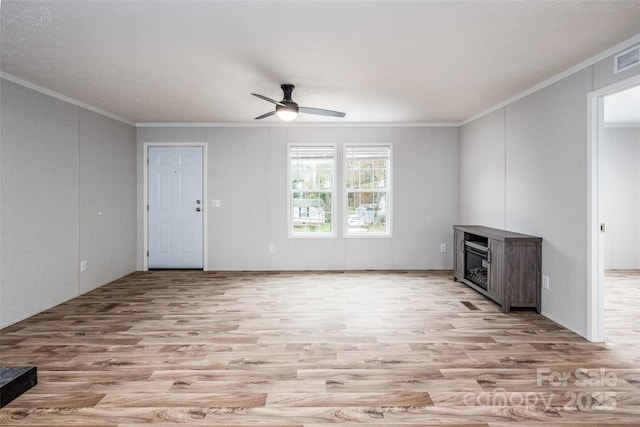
x=367, y=187
x=311, y=177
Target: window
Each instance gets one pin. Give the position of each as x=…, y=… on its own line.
x=311, y=188
x=368, y=189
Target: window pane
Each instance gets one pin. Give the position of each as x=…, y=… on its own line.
x=353, y=175
x=380, y=179
x=367, y=212
x=311, y=173
x=324, y=175
x=367, y=180
x=311, y=212
x=311, y=167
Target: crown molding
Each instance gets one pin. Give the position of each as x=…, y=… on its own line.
x=582, y=65
x=303, y=124
x=61, y=97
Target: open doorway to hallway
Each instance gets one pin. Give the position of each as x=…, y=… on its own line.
x=615, y=213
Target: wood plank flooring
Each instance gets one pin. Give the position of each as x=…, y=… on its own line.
x=317, y=349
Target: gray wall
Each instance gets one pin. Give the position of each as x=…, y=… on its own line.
x=60, y=164
x=543, y=180
x=482, y=167
x=247, y=172
x=619, y=151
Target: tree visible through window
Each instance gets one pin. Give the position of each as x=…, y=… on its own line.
x=367, y=189
x=311, y=178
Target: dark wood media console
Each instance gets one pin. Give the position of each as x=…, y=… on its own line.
x=502, y=265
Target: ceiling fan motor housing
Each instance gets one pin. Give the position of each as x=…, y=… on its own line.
x=287, y=89
x=289, y=104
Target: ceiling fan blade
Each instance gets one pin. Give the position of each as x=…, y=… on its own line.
x=270, y=113
x=321, y=112
x=273, y=101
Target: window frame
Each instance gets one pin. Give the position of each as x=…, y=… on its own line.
x=389, y=190
x=290, y=191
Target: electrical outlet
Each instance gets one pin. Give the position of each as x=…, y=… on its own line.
x=272, y=249
x=545, y=282
x=443, y=247
x=215, y=203
x=83, y=266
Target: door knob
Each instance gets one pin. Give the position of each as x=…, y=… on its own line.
x=198, y=209
x=198, y=202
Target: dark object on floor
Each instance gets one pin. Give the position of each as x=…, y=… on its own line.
x=15, y=380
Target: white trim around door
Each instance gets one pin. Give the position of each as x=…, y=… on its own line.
x=145, y=213
x=595, y=242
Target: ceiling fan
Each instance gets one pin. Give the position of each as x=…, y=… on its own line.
x=288, y=110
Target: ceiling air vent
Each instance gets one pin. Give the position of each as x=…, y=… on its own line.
x=627, y=59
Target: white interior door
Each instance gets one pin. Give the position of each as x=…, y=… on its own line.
x=176, y=207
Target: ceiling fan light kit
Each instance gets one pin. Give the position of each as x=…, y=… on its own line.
x=288, y=110
x=286, y=113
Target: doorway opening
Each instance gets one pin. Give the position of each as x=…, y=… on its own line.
x=613, y=198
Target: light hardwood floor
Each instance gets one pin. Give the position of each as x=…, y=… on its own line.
x=313, y=349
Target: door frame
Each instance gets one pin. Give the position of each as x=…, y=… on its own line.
x=145, y=212
x=595, y=242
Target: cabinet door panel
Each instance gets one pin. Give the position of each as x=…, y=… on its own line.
x=522, y=269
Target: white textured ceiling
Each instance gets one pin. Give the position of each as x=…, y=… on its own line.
x=391, y=61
